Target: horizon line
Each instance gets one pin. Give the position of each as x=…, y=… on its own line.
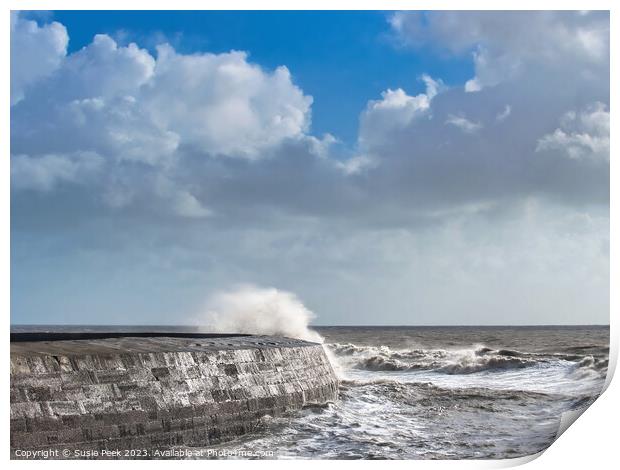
x=319, y=326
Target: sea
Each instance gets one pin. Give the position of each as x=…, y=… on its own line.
x=443, y=393
x=457, y=392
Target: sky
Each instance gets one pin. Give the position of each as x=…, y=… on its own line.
x=423, y=168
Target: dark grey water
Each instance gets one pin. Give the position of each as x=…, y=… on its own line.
x=445, y=393
x=438, y=392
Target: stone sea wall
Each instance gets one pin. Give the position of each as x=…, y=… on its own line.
x=160, y=392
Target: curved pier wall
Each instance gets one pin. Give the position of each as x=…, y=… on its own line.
x=158, y=392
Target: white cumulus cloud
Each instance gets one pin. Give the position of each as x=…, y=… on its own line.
x=131, y=108
x=503, y=115
x=463, y=123
x=505, y=44
x=36, y=52
x=394, y=111
x=225, y=105
x=582, y=135
x=44, y=172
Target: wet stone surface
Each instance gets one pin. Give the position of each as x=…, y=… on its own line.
x=126, y=393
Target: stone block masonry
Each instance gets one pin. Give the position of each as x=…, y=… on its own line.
x=157, y=392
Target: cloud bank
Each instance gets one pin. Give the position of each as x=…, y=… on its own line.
x=167, y=172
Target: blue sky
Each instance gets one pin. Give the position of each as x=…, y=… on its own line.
x=363, y=167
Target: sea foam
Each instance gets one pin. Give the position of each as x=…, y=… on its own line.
x=261, y=311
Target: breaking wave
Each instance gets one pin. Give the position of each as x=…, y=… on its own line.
x=459, y=361
x=261, y=311
x=591, y=367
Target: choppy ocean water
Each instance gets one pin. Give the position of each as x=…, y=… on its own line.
x=438, y=393
x=444, y=393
